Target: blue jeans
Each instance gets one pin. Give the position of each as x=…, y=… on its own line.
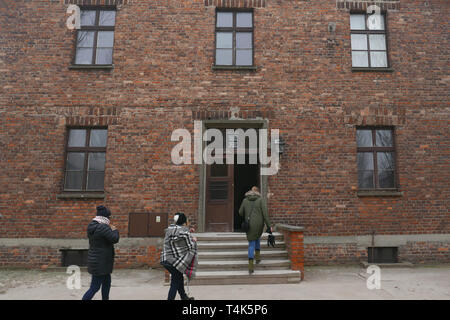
x=176, y=282
x=97, y=282
x=252, y=246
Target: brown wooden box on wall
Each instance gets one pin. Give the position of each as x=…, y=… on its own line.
x=147, y=224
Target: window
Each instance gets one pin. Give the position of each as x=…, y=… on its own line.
x=368, y=39
x=376, y=158
x=95, y=38
x=234, y=38
x=85, y=159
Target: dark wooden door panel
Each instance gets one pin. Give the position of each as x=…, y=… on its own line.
x=219, y=198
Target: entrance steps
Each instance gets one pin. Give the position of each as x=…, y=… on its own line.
x=223, y=259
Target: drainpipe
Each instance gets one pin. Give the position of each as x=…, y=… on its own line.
x=373, y=243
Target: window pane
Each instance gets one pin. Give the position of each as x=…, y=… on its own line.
x=95, y=180
x=244, y=57
x=365, y=170
x=365, y=161
x=74, y=180
x=85, y=39
x=386, y=179
x=378, y=59
x=105, y=39
x=377, y=42
x=104, y=56
x=385, y=161
x=244, y=40
x=365, y=179
x=357, y=22
x=75, y=161
x=96, y=161
x=244, y=19
x=224, y=40
x=360, y=59
x=359, y=42
x=225, y=19
x=363, y=138
x=87, y=17
x=384, y=138
x=77, y=138
x=84, y=56
x=375, y=22
x=107, y=18
x=98, y=138
x=224, y=57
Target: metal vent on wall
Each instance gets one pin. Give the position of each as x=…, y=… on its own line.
x=382, y=254
x=78, y=257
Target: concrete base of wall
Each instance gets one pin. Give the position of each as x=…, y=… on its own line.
x=144, y=252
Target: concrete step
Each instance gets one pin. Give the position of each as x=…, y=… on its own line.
x=223, y=259
x=231, y=236
x=242, y=277
x=240, y=255
x=229, y=265
x=235, y=245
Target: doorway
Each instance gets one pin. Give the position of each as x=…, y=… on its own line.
x=223, y=187
x=245, y=177
x=226, y=186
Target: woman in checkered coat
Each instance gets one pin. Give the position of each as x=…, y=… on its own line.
x=179, y=255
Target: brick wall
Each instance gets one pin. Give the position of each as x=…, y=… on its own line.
x=162, y=80
x=331, y=254
x=29, y=257
x=425, y=252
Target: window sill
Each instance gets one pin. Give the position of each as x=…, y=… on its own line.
x=243, y=68
x=359, y=69
x=79, y=195
x=379, y=193
x=89, y=66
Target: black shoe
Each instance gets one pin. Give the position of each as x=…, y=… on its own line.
x=186, y=297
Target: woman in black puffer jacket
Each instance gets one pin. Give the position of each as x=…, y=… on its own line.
x=102, y=237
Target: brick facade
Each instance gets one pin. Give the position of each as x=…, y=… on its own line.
x=162, y=79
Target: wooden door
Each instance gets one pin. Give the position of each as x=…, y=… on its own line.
x=219, y=198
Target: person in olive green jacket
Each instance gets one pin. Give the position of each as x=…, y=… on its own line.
x=254, y=206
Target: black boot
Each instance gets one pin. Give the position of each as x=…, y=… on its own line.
x=251, y=267
x=186, y=297
x=257, y=256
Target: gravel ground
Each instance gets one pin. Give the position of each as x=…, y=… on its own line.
x=349, y=282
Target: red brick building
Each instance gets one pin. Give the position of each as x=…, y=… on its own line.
x=362, y=106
